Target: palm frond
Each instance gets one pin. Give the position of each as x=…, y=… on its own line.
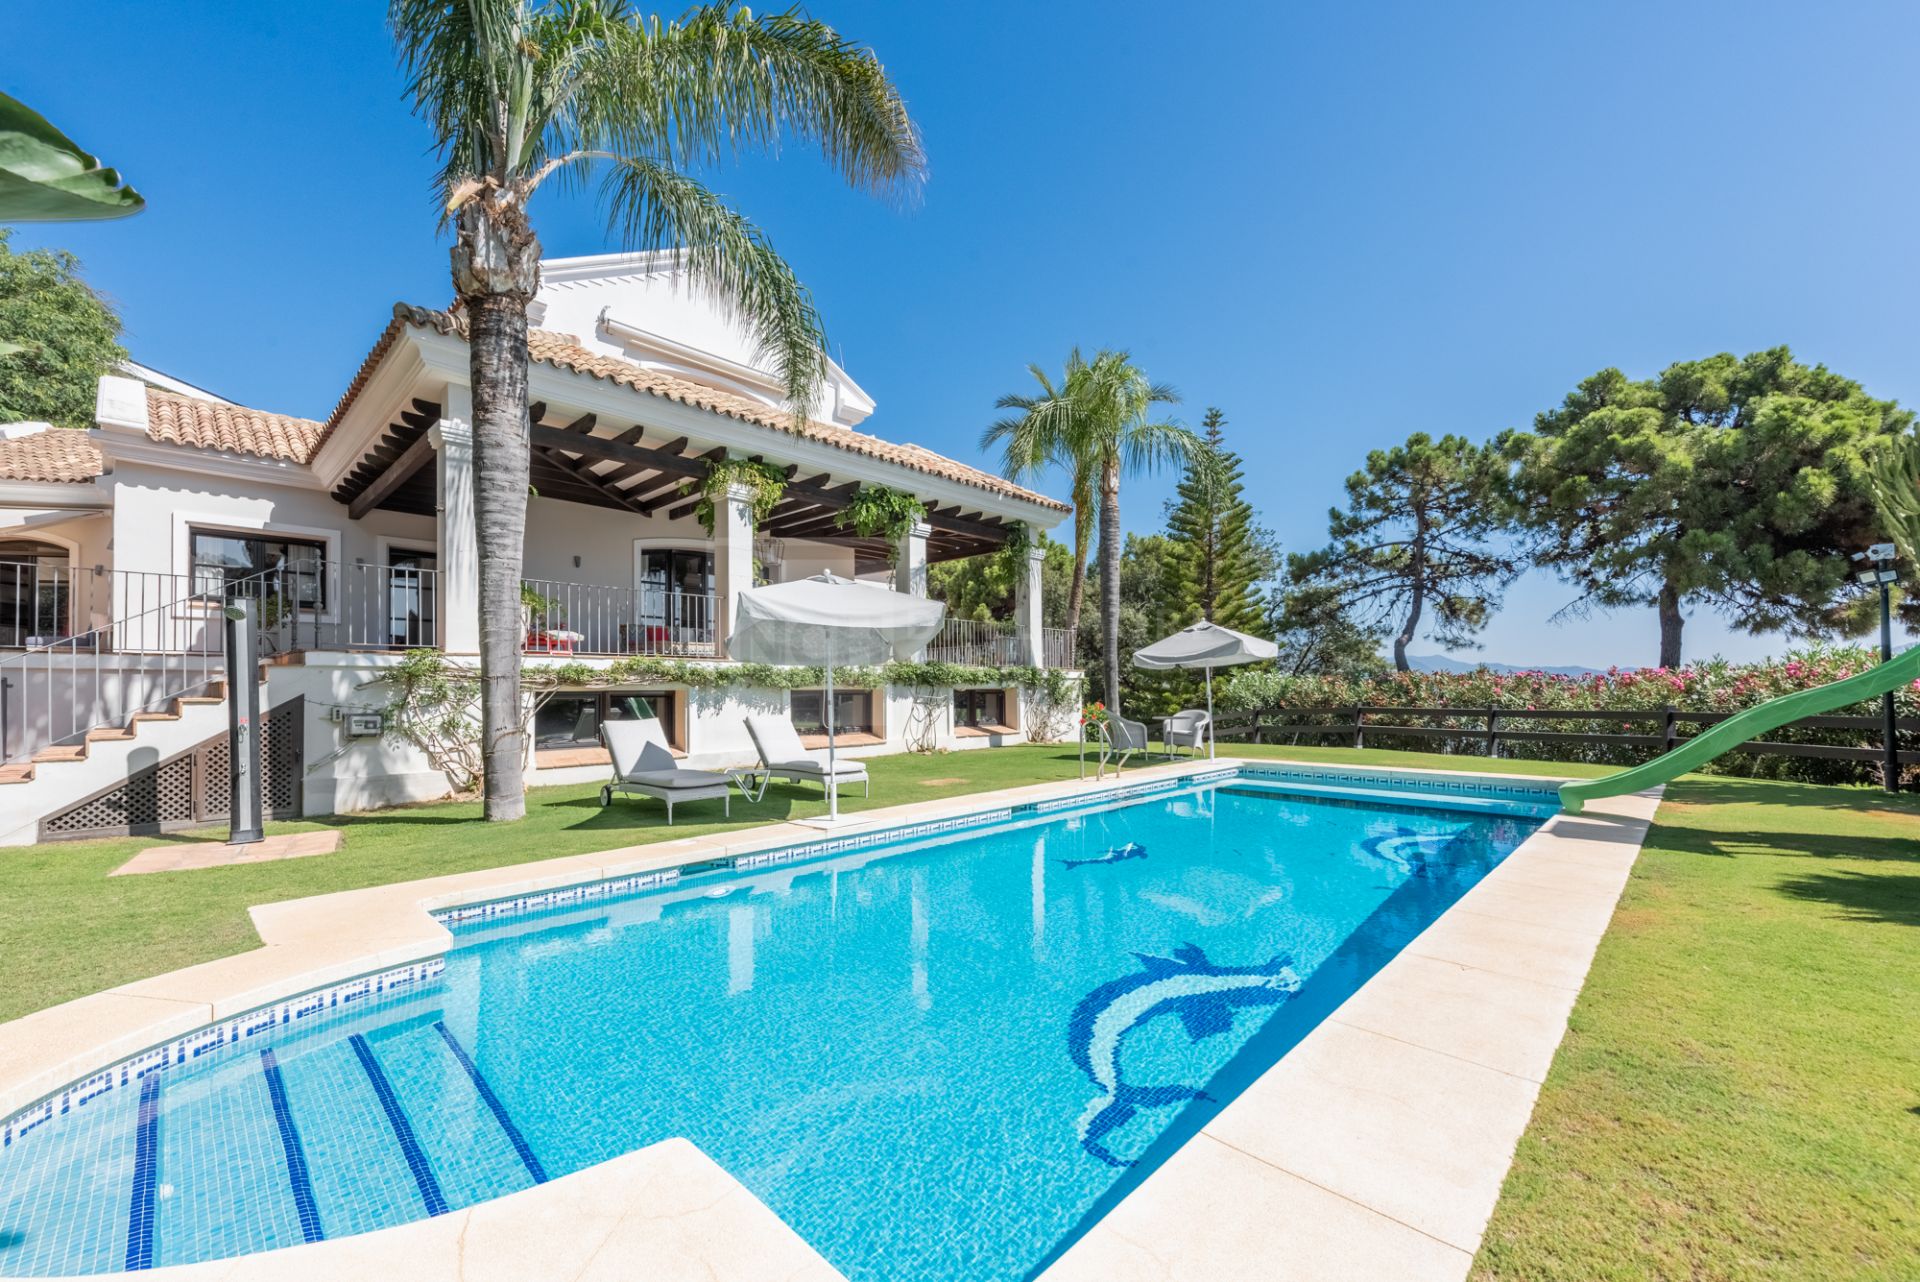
x=652, y=206
x=721, y=80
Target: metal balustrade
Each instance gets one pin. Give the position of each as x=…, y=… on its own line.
x=166, y=640
x=980, y=643
x=1059, y=648
x=389, y=607
x=595, y=619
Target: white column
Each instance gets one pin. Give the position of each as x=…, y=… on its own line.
x=458, y=602
x=732, y=554
x=910, y=560
x=910, y=573
x=1026, y=609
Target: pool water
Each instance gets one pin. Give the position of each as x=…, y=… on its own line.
x=938, y=1061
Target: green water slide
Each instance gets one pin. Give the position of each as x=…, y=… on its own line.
x=1751, y=724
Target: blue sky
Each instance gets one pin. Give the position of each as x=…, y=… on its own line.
x=1341, y=223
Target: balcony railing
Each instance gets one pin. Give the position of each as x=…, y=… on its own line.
x=996, y=643
x=390, y=607
x=592, y=618
x=382, y=607
x=1059, y=648
x=977, y=643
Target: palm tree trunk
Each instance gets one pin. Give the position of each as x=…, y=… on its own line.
x=1110, y=580
x=496, y=267
x=1082, y=541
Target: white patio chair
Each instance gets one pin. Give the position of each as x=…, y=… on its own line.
x=643, y=764
x=783, y=756
x=1187, y=728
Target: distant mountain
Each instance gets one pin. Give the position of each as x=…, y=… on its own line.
x=1442, y=663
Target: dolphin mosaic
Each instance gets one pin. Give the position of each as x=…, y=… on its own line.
x=1132, y=850
x=1203, y=996
x=1406, y=849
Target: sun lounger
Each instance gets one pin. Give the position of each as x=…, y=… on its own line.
x=783, y=756
x=642, y=764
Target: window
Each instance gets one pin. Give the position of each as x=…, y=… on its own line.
x=979, y=708
x=295, y=569
x=852, y=712
x=573, y=720
x=35, y=592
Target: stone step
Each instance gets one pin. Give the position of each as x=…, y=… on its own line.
x=65, y=752
x=19, y=772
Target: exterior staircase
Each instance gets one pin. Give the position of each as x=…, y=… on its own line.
x=57, y=777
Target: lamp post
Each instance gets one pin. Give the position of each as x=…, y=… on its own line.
x=1884, y=576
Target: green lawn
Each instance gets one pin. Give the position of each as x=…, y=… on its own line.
x=1738, y=1097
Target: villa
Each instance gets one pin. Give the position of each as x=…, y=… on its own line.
x=356, y=534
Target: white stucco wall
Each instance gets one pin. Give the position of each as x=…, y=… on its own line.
x=345, y=774
x=155, y=507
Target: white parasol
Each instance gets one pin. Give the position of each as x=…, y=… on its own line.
x=827, y=619
x=1209, y=646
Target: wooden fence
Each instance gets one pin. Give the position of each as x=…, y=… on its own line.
x=1490, y=728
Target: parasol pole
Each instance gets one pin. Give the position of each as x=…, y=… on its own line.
x=1212, y=747
x=833, y=791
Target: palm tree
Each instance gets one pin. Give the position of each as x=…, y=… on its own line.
x=523, y=92
x=1039, y=437
x=1098, y=424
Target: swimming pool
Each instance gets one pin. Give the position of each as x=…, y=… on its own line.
x=937, y=1056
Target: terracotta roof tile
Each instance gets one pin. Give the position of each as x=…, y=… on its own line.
x=183, y=420
x=58, y=454
x=563, y=351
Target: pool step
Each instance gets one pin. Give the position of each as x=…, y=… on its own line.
x=309, y=1142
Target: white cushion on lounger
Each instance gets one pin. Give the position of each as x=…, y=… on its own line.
x=677, y=778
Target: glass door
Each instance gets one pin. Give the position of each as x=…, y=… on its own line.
x=411, y=579
x=676, y=598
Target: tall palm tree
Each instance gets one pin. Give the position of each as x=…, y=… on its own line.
x=1098, y=423
x=1039, y=437
x=523, y=92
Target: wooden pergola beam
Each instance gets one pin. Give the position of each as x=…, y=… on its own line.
x=398, y=473
x=580, y=472
x=603, y=447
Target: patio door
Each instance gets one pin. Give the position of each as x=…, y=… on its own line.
x=674, y=591
x=411, y=616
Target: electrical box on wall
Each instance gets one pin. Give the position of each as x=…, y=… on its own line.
x=363, y=723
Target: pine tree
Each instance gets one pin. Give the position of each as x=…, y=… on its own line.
x=1220, y=556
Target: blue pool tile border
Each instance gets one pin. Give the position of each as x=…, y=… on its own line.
x=512, y=1131
x=298, y=1180
x=416, y=1157
x=1440, y=785
x=333, y=1000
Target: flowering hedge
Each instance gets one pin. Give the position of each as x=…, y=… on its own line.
x=1715, y=686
